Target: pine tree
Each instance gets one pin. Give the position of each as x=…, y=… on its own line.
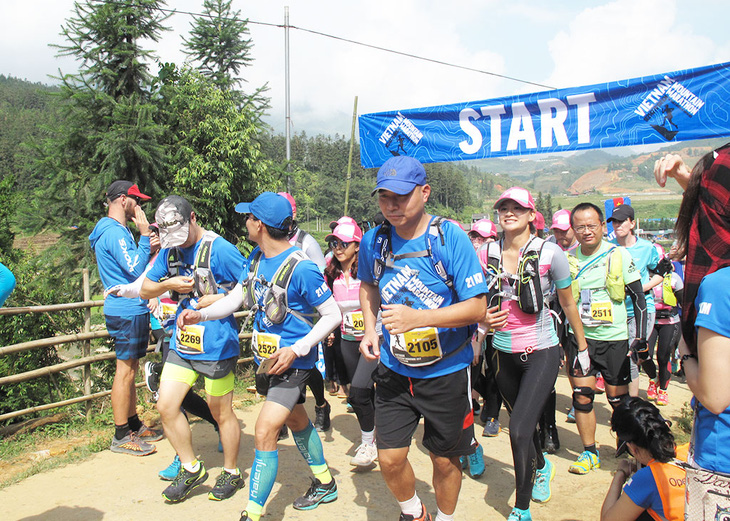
x=108, y=129
x=220, y=45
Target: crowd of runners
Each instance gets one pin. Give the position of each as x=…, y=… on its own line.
x=420, y=320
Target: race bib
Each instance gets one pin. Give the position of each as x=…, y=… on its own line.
x=190, y=341
x=417, y=347
x=353, y=323
x=265, y=344
x=602, y=312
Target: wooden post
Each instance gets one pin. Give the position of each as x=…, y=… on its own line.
x=87, y=343
x=349, y=162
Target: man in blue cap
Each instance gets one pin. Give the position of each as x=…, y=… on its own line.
x=284, y=291
x=424, y=275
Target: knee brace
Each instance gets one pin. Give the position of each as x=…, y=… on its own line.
x=614, y=401
x=588, y=393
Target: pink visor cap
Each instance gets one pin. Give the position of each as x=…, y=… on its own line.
x=561, y=220
x=518, y=195
x=485, y=228
x=346, y=232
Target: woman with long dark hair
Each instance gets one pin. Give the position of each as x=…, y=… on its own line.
x=703, y=233
x=655, y=491
x=341, y=276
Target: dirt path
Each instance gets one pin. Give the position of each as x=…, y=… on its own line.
x=117, y=487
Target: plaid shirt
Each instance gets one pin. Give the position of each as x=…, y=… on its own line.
x=708, y=248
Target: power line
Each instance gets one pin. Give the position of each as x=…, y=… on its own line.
x=355, y=42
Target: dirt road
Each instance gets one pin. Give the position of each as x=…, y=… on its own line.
x=113, y=487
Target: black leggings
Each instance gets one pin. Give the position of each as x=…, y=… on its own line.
x=526, y=382
x=360, y=375
x=486, y=385
x=666, y=338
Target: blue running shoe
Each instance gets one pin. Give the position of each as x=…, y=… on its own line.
x=476, y=462
x=520, y=515
x=317, y=493
x=571, y=416
x=171, y=471
x=541, y=491
x=464, y=462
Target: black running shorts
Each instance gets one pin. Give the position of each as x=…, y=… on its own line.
x=287, y=389
x=608, y=358
x=444, y=402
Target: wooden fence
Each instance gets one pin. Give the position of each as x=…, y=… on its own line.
x=84, y=337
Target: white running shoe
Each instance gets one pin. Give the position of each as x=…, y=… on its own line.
x=365, y=455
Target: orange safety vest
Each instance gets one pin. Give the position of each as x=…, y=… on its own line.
x=670, y=480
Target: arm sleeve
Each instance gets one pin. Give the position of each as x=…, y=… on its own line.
x=131, y=290
x=225, y=306
x=314, y=251
x=330, y=318
x=636, y=292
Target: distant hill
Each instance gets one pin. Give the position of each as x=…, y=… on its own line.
x=593, y=171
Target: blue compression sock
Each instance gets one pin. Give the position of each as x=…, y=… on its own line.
x=310, y=446
x=263, y=475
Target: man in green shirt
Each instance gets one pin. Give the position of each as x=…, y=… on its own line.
x=603, y=274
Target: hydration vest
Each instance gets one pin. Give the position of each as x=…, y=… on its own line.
x=275, y=302
x=614, y=274
x=384, y=257
x=204, y=281
x=528, y=288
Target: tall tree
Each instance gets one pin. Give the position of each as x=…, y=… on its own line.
x=215, y=158
x=220, y=45
x=109, y=127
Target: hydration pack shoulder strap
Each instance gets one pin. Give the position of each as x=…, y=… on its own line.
x=384, y=254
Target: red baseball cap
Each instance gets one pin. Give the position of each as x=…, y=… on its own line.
x=122, y=187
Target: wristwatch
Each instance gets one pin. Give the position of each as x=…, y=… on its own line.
x=686, y=357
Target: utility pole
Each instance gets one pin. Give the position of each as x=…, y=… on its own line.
x=286, y=95
x=349, y=163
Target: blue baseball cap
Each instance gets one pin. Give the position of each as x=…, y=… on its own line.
x=269, y=208
x=400, y=175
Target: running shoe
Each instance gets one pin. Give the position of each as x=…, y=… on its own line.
x=552, y=442
x=662, y=398
x=518, y=514
x=152, y=376
x=184, y=483
x=317, y=493
x=541, y=491
x=148, y=434
x=244, y=516
x=476, y=462
x=365, y=455
x=651, y=391
x=425, y=516
x=491, y=428
x=600, y=384
x=350, y=408
x=586, y=461
x=283, y=433
x=571, y=416
x=225, y=486
x=322, y=417
x=131, y=444
x=172, y=470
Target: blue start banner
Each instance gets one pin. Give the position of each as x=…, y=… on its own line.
x=676, y=106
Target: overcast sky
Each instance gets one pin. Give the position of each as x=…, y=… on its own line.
x=560, y=43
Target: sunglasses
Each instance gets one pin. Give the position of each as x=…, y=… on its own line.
x=336, y=243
